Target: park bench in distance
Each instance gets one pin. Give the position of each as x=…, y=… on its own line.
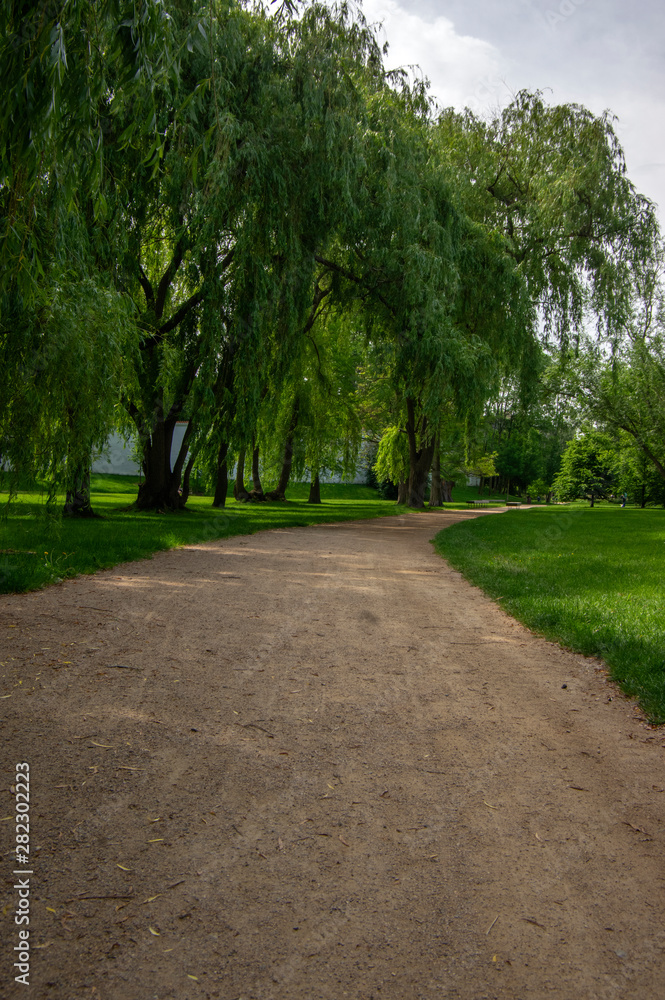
x=477, y=503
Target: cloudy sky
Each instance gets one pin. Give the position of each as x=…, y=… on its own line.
x=605, y=54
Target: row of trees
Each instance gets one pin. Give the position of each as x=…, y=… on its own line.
x=236, y=216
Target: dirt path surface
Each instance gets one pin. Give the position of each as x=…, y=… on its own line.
x=315, y=763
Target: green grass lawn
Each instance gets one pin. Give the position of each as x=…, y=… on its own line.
x=589, y=579
x=36, y=550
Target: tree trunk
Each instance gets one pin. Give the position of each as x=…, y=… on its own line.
x=508, y=489
x=256, y=478
x=222, y=484
x=315, y=490
x=185, y=479
x=279, y=493
x=401, y=492
x=77, y=503
x=480, y=486
x=447, y=490
x=160, y=488
x=643, y=502
x=239, y=491
x=420, y=459
x=592, y=499
x=436, y=495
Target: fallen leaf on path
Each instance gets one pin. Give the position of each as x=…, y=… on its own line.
x=153, y=931
x=578, y=788
x=123, y=868
x=489, y=806
x=346, y=843
x=530, y=920
x=105, y=746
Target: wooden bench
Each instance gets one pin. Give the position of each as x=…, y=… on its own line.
x=477, y=503
x=513, y=503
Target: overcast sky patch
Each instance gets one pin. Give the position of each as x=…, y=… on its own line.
x=604, y=54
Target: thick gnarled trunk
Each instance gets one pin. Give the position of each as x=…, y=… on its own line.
x=160, y=489
x=315, y=490
x=77, y=502
x=420, y=458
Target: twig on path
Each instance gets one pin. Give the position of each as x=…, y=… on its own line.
x=253, y=725
x=75, y=899
x=92, y=607
x=129, y=895
x=492, y=924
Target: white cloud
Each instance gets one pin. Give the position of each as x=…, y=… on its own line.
x=478, y=53
x=463, y=71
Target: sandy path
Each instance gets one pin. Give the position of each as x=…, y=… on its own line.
x=336, y=770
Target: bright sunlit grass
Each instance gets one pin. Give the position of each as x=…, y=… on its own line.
x=592, y=580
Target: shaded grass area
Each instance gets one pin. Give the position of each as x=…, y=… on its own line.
x=591, y=580
x=36, y=550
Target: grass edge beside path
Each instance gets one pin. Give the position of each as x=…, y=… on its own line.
x=37, y=551
x=590, y=580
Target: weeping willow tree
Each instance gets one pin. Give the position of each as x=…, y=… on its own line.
x=64, y=353
x=437, y=288
x=310, y=421
x=552, y=181
x=64, y=326
x=220, y=223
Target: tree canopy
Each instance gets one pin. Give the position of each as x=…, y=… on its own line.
x=230, y=214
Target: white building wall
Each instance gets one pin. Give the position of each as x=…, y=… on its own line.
x=119, y=456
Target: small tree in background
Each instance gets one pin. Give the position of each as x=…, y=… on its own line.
x=588, y=468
